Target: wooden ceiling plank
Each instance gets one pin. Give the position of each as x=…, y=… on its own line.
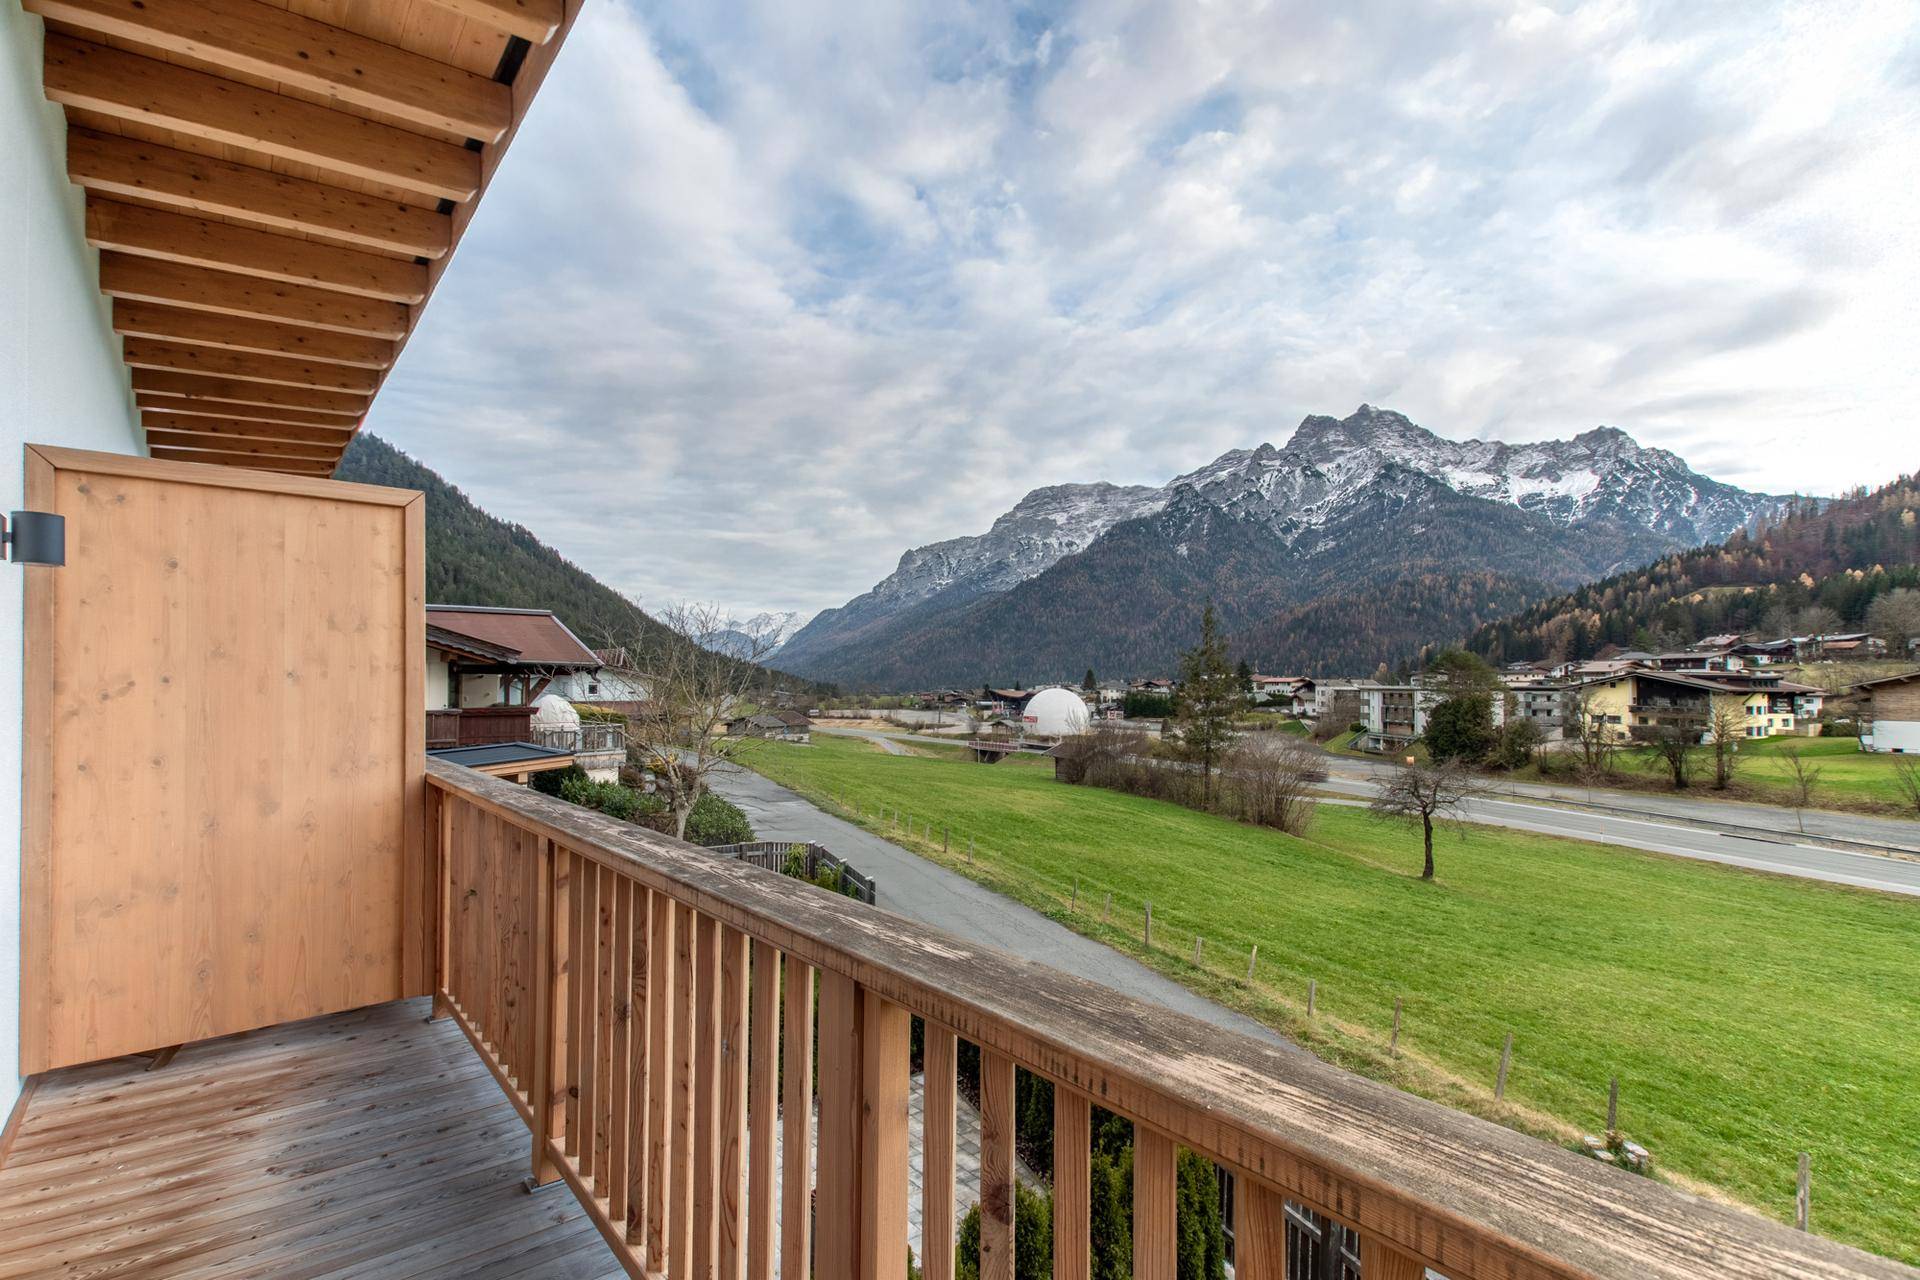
x=233, y=390
x=242, y=429
x=122, y=166
x=291, y=466
x=127, y=86
x=277, y=415
x=274, y=43
x=149, y=353
x=157, y=437
x=175, y=284
x=178, y=237
x=531, y=20
x=259, y=337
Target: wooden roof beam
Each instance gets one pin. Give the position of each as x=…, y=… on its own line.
x=276, y=44
x=534, y=21
x=267, y=415
x=178, y=237
x=149, y=353
x=257, y=462
x=258, y=337
x=240, y=429
x=126, y=86
x=120, y=166
x=176, y=284
x=157, y=438
x=196, y=386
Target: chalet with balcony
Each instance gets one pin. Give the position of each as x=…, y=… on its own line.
x=297, y=1000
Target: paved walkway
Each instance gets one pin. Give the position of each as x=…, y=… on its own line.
x=912, y=886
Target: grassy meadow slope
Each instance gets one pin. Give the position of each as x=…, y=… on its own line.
x=1747, y=1016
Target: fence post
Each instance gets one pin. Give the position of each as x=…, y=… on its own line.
x=1252, y=956
x=1506, y=1057
x=1803, y=1194
x=969, y=850
x=946, y=840
x=1106, y=912
x=1197, y=941
x=1393, y=1046
x=1613, y=1105
x=1075, y=905
x=1313, y=990
x=1149, y=933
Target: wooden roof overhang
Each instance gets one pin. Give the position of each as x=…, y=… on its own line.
x=275, y=187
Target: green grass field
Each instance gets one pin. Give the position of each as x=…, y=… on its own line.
x=1747, y=1016
x=1848, y=775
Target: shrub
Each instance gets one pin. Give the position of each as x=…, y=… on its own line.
x=550, y=782
x=1201, y=1251
x=1269, y=781
x=1032, y=1238
x=1519, y=740
x=716, y=820
x=598, y=715
x=1140, y=705
x=610, y=798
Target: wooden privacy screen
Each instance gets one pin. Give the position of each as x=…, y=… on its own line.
x=223, y=757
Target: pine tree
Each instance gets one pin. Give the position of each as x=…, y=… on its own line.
x=1209, y=699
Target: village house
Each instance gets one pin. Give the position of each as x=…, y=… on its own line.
x=784, y=726
x=1893, y=712
x=1634, y=704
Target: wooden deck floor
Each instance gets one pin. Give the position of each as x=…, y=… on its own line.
x=368, y=1144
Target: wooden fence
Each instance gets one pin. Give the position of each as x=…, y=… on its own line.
x=653, y=1012
x=772, y=855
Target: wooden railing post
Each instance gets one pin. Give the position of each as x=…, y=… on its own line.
x=1072, y=1185
x=1259, y=1232
x=996, y=1166
x=836, y=1246
x=1380, y=1261
x=884, y=1088
x=443, y=903
x=938, y=1116
x=1155, y=1193
x=549, y=1005
x=796, y=1118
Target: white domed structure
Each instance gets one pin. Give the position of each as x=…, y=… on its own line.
x=1056, y=713
x=551, y=711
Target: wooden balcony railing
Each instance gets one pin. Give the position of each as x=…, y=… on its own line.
x=651, y=1011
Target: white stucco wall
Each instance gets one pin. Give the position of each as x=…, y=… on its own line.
x=1897, y=735
x=437, y=685
x=61, y=382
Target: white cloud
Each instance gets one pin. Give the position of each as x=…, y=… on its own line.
x=767, y=292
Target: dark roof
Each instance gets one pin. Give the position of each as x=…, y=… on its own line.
x=496, y=753
x=468, y=646
x=1904, y=677
x=536, y=635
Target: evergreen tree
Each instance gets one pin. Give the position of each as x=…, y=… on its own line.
x=1209, y=699
x=1091, y=684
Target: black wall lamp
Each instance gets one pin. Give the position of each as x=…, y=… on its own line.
x=34, y=537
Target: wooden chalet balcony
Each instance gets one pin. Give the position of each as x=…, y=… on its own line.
x=649, y=1015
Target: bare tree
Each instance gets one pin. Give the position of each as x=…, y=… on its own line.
x=1270, y=779
x=1675, y=738
x=1427, y=794
x=1726, y=725
x=701, y=674
x=1895, y=618
x=1800, y=775
x=1591, y=735
x=1906, y=780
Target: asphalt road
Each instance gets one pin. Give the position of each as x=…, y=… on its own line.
x=1772, y=844
x=912, y=886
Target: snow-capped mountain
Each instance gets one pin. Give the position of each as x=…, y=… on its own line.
x=1599, y=474
x=1344, y=502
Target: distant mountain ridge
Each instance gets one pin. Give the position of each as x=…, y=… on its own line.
x=1358, y=510
x=476, y=558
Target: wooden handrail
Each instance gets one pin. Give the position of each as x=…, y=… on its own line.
x=648, y=1028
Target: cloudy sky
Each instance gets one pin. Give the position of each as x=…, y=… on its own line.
x=767, y=292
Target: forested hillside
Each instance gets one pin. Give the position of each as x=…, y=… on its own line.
x=474, y=558
x=1348, y=634
x=1818, y=568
